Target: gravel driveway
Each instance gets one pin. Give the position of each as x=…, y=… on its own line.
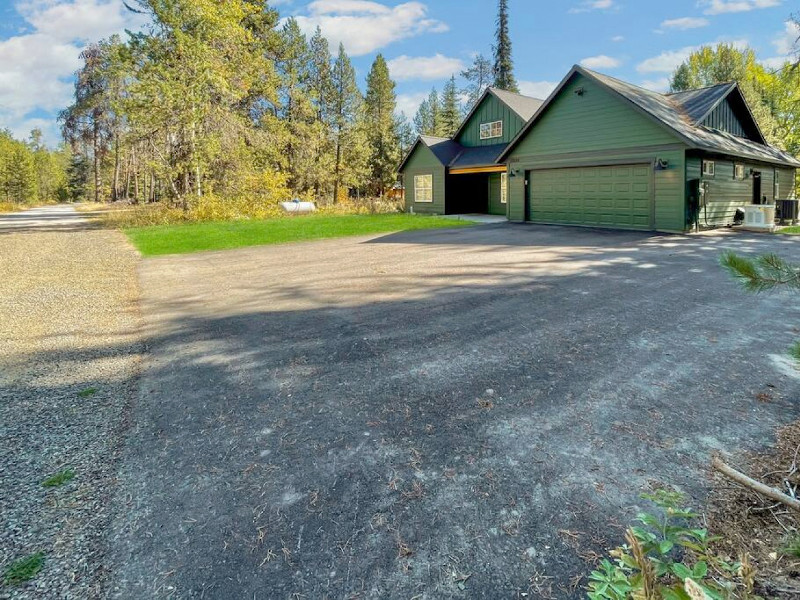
x=69, y=355
x=465, y=414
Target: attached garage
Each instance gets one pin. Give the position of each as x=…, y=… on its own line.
x=604, y=153
x=606, y=196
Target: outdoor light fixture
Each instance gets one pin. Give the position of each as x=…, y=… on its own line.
x=662, y=165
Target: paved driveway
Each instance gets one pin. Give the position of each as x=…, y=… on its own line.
x=466, y=413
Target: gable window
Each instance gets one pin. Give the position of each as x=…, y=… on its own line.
x=491, y=130
x=423, y=188
x=503, y=188
x=709, y=168
x=738, y=171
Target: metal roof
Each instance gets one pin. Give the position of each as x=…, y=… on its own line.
x=479, y=156
x=670, y=111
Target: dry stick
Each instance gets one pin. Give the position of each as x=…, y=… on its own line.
x=754, y=485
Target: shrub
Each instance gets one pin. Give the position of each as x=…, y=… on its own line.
x=668, y=557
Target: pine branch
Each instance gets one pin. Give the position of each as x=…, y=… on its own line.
x=763, y=274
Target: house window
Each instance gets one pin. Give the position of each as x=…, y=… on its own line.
x=738, y=171
x=503, y=188
x=491, y=130
x=423, y=188
x=709, y=168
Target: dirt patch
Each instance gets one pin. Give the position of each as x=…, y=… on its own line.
x=751, y=524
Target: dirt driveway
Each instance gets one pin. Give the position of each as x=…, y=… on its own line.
x=466, y=413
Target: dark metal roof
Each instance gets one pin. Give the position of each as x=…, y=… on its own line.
x=479, y=156
x=696, y=104
x=669, y=112
x=445, y=150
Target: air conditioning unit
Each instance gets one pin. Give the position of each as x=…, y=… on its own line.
x=759, y=217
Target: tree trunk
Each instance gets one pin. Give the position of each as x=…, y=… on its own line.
x=336, y=172
x=115, y=190
x=96, y=151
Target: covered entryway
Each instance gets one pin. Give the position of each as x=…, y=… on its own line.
x=481, y=190
x=608, y=196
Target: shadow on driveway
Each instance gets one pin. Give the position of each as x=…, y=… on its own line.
x=471, y=416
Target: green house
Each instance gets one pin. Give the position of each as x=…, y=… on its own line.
x=604, y=153
x=463, y=174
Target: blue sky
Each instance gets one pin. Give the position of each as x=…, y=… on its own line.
x=424, y=41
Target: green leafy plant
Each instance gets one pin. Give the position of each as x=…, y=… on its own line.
x=792, y=547
x=88, y=392
x=667, y=557
x=59, y=478
x=23, y=569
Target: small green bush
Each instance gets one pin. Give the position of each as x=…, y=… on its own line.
x=667, y=557
x=59, y=478
x=24, y=569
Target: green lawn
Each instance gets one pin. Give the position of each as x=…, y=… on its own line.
x=197, y=237
x=795, y=230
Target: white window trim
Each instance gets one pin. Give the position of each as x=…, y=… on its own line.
x=487, y=129
x=503, y=188
x=736, y=168
x=420, y=186
x=709, y=172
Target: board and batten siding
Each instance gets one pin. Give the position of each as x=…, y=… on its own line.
x=424, y=162
x=600, y=128
x=724, y=118
x=496, y=207
x=724, y=193
x=491, y=109
x=787, y=178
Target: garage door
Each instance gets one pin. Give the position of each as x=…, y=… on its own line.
x=618, y=196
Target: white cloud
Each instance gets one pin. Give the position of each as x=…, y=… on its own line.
x=426, y=68
x=364, y=26
x=669, y=60
x=618, y=38
x=408, y=104
x=685, y=23
x=660, y=85
x=601, y=62
x=37, y=67
x=590, y=5
x=785, y=46
x=537, y=89
x=718, y=7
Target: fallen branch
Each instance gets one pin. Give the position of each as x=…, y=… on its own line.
x=754, y=485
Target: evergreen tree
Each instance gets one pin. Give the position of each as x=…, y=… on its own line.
x=77, y=178
x=298, y=111
x=347, y=126
x=479, y=77
x=381, y=125
x=423, y=120
x=321, y=88
x=405, y=134
x=451, y=109
x=503, y=61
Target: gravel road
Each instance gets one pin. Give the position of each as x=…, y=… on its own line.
x=69, y=356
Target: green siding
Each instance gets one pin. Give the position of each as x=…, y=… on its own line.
x=424, y=162
x=787, y=178
x=597, y=120
x=724, y=118
x=601, y=129
x=491, y=109
x=724, y=193
x=496, y=207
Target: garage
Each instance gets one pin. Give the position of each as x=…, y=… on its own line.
x=606, y=196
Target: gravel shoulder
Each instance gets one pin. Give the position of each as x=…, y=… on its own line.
x=69, y=325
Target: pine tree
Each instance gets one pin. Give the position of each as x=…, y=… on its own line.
x=405, y=134
x=348, y=131
x=451, y=109
x=298, y=112
x=479, y=77
x=423, y=120
x=503, y=61
x=321, y=87
x=379, y=108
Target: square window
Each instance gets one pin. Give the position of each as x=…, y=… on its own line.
x=423, y=188
x=491, y=130
x=709, y=168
